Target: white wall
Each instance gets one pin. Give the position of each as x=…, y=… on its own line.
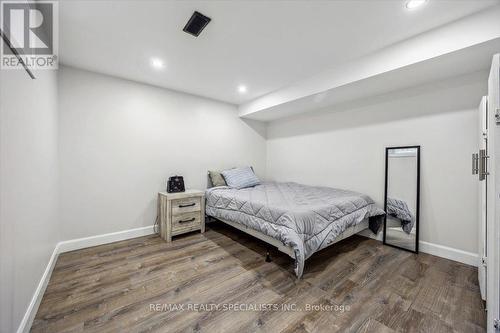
x=120, y=140
x=345, y=148
x=28, y=187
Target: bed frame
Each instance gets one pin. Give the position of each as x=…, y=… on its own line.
x=287, y=249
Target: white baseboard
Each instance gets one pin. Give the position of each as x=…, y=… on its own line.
x=71, y=245
x=30, y=313
x=437, y=250
x=81, y=243
x=442, y=251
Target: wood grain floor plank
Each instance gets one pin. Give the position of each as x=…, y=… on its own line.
x=357, y=285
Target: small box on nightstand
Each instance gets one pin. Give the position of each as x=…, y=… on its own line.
x=181, y=212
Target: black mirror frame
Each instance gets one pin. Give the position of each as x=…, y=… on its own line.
x=417, y=215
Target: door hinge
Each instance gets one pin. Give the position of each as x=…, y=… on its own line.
x=483, y=261
x=497, y=116
x=496, y=324
x=475, y=163
x=483, y=164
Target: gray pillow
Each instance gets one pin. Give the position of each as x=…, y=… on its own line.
x=216, y=178
x=240, y=177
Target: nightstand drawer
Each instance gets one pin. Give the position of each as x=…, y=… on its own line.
x=181, y=212
x=186, y=205
x=186, y=220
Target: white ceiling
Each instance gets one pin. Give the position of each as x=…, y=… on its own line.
x=473, y=61
x=265, y=45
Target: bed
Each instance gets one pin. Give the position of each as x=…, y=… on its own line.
x=298, y=219
x=399, y=214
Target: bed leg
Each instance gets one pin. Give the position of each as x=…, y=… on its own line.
x=268, y=256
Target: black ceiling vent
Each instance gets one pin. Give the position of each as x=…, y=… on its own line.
x=196, y=24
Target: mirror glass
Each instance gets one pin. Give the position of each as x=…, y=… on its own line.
x=402, y=197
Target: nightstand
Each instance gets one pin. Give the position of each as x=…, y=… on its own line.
x=181, y=212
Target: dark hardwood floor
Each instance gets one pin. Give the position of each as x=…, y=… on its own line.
x=357, y=285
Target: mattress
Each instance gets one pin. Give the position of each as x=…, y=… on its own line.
x=305, y=218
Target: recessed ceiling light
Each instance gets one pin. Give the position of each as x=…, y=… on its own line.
x=157, y=63
x=242, y=89
x=412, y=4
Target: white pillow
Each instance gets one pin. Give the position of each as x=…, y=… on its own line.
x=240, y=177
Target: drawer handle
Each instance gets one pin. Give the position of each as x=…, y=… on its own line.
x=188, y=220
x=188, y=205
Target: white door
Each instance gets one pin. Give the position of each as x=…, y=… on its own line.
x=483, y=183
x=493, y=212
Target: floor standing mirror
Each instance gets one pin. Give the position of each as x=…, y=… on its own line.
x=402, y=197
